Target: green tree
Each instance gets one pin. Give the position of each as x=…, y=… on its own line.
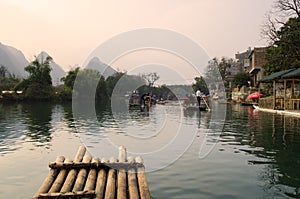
x=285, y=52
x=7, y=81
x=200, y=84
x=241, y=79
x=70, y=78
x=102, y=91
x=90, y=82
x=112, y=81
x=3, y=71
x=39, y=71
x=38, y=85
x=217, y=70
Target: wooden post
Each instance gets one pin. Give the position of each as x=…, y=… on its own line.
x=101, y=181
x=111, y=182
x=82, y=174
x=46, y=185
x=72, y=173
x=293, y=89
x=122, y=185
x=132, y=182
x=142, y=180
x=284, y=95
x=59, y=181
x=274, y=93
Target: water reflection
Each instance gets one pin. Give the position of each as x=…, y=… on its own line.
x=38, y=118
x=11, y=127
x=255, y=141
x=275, y=142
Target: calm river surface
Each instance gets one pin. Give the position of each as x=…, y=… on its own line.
x=255, y=154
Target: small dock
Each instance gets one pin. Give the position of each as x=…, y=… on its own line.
x=91, y=177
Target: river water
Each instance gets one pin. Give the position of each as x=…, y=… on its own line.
x=187, y=153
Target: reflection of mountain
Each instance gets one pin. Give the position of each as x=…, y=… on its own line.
x=13, y=60
x=57, y=72
x=103, y=68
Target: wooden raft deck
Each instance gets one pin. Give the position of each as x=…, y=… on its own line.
x=88, y=177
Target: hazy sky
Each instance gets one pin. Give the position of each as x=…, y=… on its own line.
x=69, y=30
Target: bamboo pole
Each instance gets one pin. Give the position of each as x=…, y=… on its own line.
x=46, y=185
x=91, y=180
x=60, y=179
x=110, y=191
x=82, y=175
x=93, y=165
x=101, y=181
x=77, y=194
x=132, y=182
x=67, y=186
x=206, y=104
x=122, y=185
x=142, y=180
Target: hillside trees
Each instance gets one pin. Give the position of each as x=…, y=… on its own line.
x=38, y=85
x=7, y=80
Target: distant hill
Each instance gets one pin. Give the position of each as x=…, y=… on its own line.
x=15, y=62
x=103, y=68
x=57, y=72
x=13, y=59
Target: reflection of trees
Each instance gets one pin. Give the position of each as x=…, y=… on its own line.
x=38, y=121
x=274, y=140
x=68, y=114
x=10, y=127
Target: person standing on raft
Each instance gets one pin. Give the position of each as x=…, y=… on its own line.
x=198, y=95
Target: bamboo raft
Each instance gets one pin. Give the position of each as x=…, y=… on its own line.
x=87, y=177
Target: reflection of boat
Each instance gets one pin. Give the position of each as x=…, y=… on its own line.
x=247, y=103
x=161, y=102
x=200, y=108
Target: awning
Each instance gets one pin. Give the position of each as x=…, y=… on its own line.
x=292, y=74
x=277, y=75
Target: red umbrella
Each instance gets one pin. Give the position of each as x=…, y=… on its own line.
x=255, y=95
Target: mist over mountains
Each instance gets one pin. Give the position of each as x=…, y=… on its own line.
x=103, y=68
x=15, y=62
x=57, y=72
x=13, y=59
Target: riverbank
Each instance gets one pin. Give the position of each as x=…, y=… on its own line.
x=282, y=112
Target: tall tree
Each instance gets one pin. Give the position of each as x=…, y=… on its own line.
x=38, y=85
x=151, y=78
x=70, y=78
x=285, y=52
x=241, y=79
x=217, y=70
x=277, y=17
x=200, y=84
x=39, y=71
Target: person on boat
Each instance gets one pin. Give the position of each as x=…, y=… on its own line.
x=198, y=95
x=144, y=98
